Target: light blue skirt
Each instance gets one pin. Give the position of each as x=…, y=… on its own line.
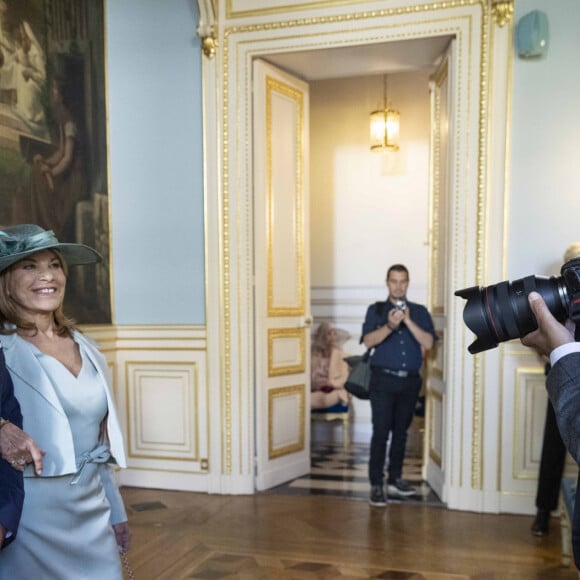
x=64, y=532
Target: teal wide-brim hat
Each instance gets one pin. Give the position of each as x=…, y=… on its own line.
x=17, y=242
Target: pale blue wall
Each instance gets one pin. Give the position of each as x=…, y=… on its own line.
x=155, y=149
x=154, y=87
x=544, y=213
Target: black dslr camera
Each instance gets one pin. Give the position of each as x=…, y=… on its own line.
x=501, y=312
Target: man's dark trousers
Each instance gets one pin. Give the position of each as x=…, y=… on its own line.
x=551, y=464
x=393, y=402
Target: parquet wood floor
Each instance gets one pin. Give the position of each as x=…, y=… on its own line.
x=179, y=535
x=321, y=527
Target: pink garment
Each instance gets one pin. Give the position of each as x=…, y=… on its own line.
x=328, y=377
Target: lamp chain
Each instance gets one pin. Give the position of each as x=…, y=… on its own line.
x=385, y=92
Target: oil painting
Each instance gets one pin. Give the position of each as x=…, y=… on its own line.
x=53, y=134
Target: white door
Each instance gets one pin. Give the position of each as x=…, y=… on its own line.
x=281, y=276
x=440, y=177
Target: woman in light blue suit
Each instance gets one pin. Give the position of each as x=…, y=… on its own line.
x=73, y=522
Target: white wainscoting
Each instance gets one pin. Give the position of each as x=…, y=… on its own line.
x=521, y=418
x=159, y=379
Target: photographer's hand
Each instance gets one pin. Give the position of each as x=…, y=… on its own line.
x=395, y=317
x=424, y=338
x=550, y=333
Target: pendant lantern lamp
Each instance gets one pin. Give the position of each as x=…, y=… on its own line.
x=385, y=126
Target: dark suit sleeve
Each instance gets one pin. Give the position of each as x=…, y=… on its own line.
x=11, y=483
x=563, y=385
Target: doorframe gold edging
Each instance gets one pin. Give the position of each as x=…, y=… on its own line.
x=225, y=274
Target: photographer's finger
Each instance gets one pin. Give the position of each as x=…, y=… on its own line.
x=531, y=339
x=538, y=307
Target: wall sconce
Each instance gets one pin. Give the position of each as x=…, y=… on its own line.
x=385, y=126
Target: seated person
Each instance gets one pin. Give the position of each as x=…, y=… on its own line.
x=328, y=368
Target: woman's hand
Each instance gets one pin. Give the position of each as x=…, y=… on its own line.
x=19, y=449
x=123, y=535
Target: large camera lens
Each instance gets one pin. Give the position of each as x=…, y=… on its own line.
x=501, y=312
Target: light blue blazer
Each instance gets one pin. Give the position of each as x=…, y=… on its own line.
x=44, y=418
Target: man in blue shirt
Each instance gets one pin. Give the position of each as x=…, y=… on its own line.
x=400, y=332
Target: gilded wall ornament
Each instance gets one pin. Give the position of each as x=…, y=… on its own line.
x=502, y=11
x=209, y=45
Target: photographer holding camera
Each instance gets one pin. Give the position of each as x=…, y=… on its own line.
x=553, y=456
x=554, y=339
x=400, y=333
x=536, y=309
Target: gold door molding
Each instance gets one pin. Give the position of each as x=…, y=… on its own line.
x=244, y=39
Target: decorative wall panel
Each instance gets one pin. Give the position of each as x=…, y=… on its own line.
x=286, y=351
x=285, y=199
x=528, y=419
x=286, y=423
x=159, y=380
x=161, y=400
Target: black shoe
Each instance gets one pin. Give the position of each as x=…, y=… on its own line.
x=377, y=497
x=541, y=524
x=400, y=488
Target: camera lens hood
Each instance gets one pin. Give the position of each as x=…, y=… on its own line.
x=501, y=311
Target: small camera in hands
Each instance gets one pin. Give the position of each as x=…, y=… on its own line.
x=401, y=305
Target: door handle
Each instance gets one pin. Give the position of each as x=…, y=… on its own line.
x=307, y=321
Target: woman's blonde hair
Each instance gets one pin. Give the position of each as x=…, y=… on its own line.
x=321, y=342
x=10, y=313
x=572, y=251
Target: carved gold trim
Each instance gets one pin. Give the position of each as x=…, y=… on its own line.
x=277, y=86
x=437, y=373
x=209, y=44
x=354, y=16
x=438, y=79
x=300, y=392
x=478, y=367
x=506, y=221
x=296, y=333
x=226, y=277
x=476, y=478
x=502, y=11
x=434, y=370
x=231, y=13
x=433, y=454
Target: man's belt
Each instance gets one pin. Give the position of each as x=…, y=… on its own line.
x=400, y=374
